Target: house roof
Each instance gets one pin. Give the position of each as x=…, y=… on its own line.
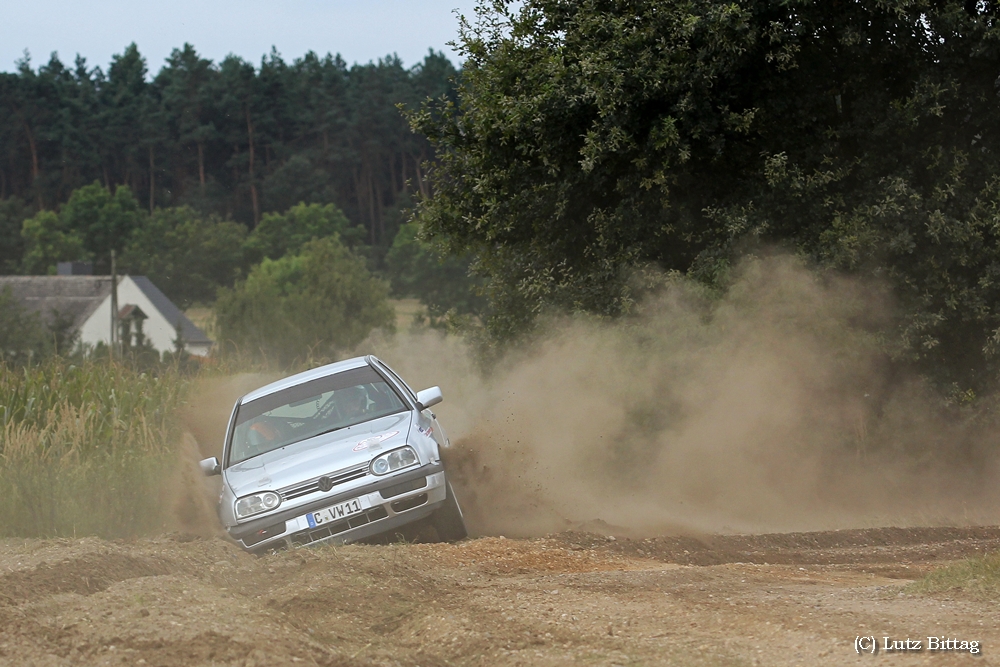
x=77, y=297
x=74, y=297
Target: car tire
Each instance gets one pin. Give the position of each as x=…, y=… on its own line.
x=448, y=520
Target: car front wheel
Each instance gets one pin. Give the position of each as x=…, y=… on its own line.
x=448, y=520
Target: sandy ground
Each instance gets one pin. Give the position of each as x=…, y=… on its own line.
x=592, y=595
x=572, y=598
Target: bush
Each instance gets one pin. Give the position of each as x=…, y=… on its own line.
x=84, y=448
x=316, y=303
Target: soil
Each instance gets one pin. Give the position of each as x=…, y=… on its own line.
x=584, y=597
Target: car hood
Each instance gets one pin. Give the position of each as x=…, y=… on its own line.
x=310, y=458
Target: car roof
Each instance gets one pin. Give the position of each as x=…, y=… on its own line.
x=305, y=376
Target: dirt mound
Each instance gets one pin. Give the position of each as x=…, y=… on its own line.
x=494, y=556
x=569, y=598
x=874, y=545
x=85, y=575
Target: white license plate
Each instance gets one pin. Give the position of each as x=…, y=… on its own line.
x=338, y=511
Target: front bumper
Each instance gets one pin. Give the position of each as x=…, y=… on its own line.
x=395, y=501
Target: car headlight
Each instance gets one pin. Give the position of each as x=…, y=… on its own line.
x=397, y=459
x=256, y=503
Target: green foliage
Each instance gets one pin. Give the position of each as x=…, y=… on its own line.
x=88, y=227
x=303, y=178
x=442, y=283
x=187, y=255
x=313, y=304
x=591, y=138
x=85, y=448
x=281, y=233
x=13, y=213
x=573, y=126
x=234, y=138
x=23, y=336
x=48, y=241
x=976, y=577
x=104, y=221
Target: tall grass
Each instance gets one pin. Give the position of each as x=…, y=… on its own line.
x=85, y=448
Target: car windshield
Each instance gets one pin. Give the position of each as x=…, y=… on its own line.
x=309, y=409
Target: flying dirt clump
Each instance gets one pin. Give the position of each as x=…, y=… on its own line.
x=768, y=409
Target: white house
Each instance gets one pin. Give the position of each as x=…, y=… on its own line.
x=84, y=302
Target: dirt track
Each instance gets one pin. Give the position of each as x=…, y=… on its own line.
x=572, y=598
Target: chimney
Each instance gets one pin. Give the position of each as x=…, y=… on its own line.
x=74, y=269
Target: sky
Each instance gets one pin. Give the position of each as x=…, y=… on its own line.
x=360, y=30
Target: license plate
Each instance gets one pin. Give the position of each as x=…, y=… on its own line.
x=338, y=511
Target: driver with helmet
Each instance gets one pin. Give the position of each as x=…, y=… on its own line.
x=352, y=402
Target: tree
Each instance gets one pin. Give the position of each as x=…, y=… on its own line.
x=282, y=233
x=239, y=100
x=123, y=108
x=104, y=221
x=590, y=138
x=48, y=241
x=28, y=100
x=13, y=213
x=441, y=282
x=236, y=139
x=316, y=303
x=185, y=82
x=186, y=255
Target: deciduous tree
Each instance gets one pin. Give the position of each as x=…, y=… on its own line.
x=593, y=137
x=187, y=255
x=314, y=304
x=281, y=233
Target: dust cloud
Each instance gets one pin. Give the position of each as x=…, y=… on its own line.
x=770, y=409
x=191, y=496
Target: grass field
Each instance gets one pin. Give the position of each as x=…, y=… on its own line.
x=978, y=577
x=85, y=448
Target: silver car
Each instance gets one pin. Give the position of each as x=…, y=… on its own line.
x=335, y=454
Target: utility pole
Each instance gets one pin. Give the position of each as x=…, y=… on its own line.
x=114, y=306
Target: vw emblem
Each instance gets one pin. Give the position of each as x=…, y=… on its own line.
x=325, y=484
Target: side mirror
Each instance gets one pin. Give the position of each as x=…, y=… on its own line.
x=210, y=467
x=429, y=397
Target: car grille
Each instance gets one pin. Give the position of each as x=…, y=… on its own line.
x=312, y=486
x=307, y=536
